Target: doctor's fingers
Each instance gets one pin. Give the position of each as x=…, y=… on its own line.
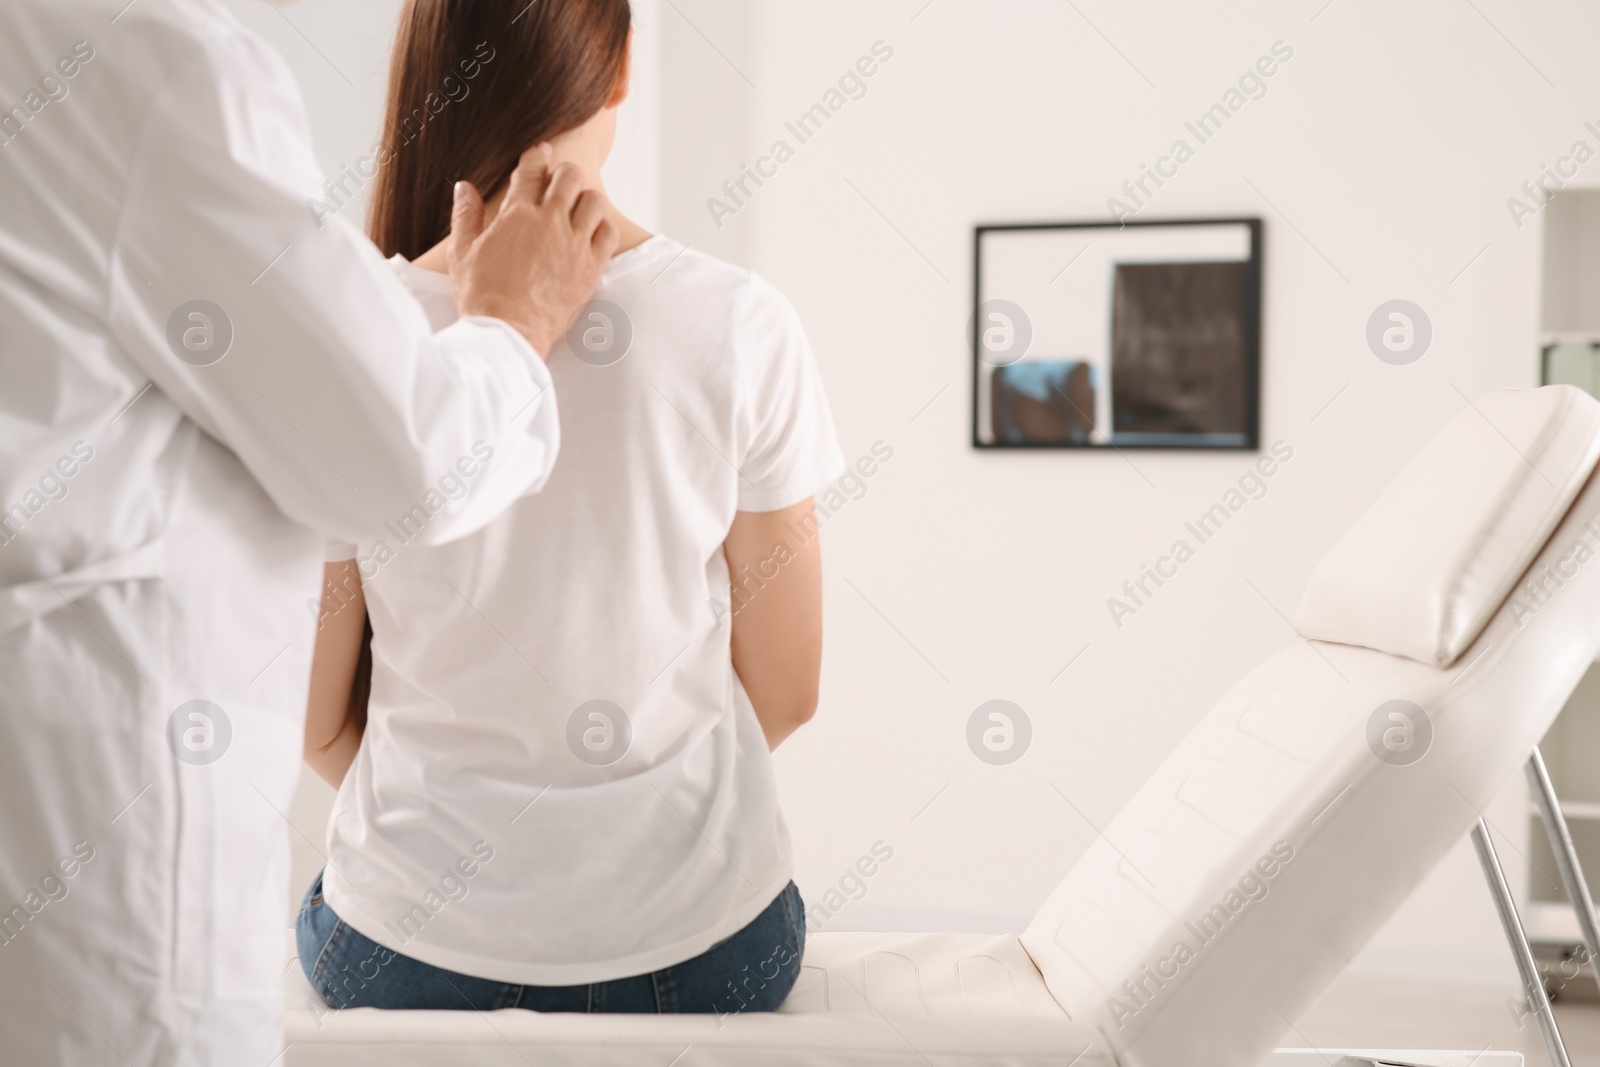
x=466, y=221
x=605, y=241
x=566, y=185
x=588, y=212
x=531, y=176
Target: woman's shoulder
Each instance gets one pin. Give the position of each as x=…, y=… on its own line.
x=664, y=265
x=691, y=282
x=685, y=274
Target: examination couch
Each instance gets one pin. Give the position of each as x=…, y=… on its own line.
x=1441, y=636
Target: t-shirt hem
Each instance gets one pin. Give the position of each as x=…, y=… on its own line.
x=341, y=899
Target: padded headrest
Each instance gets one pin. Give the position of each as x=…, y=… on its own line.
x=1423, y=571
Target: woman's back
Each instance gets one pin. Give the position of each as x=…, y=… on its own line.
x=561, y=779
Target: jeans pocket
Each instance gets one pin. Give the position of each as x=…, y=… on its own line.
x=315, y=930
x=354, y=970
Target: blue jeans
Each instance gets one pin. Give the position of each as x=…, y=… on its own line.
x=751, y=971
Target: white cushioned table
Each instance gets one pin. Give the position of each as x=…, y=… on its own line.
x=881, y=999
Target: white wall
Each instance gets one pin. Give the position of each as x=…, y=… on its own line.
x=1571, y=264
x=1381, y=159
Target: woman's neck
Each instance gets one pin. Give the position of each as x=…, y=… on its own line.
x=633, y=235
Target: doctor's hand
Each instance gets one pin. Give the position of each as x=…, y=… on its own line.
x=541, y=257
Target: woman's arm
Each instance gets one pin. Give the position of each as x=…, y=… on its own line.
x=775, y=565
x=336, y=714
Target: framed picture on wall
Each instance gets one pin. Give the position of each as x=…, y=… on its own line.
x=1131, y=335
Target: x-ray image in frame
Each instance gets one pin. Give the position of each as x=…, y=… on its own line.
x=1131, y=335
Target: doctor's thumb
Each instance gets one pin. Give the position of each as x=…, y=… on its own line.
x=466, y=220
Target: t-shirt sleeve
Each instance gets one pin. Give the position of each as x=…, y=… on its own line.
x=790, y=450
x=338, y=551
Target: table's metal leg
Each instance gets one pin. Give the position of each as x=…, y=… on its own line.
x=1555, y=827
x=1532, y=981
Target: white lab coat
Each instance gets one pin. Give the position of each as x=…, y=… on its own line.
x=164, y=539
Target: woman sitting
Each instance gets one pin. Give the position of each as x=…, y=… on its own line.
x=562, y=797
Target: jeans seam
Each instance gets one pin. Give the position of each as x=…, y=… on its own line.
x=796, y=945
x=328, y=948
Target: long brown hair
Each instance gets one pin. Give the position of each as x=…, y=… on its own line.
x=472, y=85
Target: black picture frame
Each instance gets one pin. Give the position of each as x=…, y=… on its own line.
x=1250, y=321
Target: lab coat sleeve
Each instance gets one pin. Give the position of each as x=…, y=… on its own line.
x=277, y=326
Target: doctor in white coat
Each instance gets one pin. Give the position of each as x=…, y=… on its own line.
x=202, y=379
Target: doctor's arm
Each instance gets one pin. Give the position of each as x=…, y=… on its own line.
x=336, y=712
x=269, y=320
x=776, y=606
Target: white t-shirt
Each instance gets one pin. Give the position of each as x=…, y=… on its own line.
x=562, y=780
